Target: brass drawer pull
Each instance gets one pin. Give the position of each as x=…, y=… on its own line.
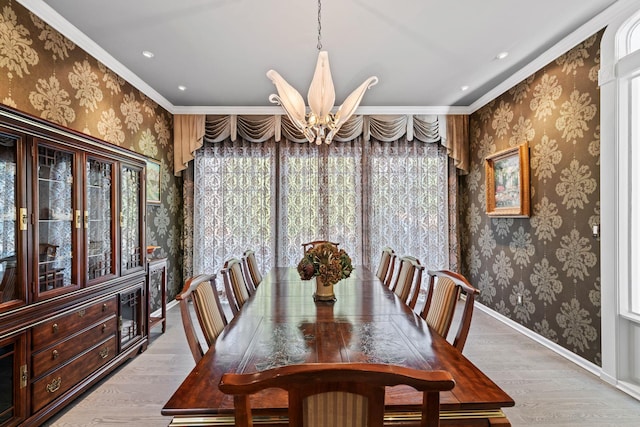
x=104, y=327
x=82, y=312
x=104, y=353
x=104, y=307
x=55, y=328
x=54, y=385
x=54, y=354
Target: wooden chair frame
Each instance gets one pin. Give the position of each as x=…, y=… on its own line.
x=386, y=265
x=252, y=273
x=311, y=245
x=464, y=287
x=235, y=285
x=408, y=289
x=367, y=380
x=183, y=298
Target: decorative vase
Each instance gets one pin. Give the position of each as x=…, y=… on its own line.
x=324, y=293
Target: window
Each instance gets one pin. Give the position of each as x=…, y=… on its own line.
x=364, y=195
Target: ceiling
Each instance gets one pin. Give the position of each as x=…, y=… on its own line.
x=423, y=51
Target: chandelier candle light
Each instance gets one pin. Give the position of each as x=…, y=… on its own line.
x=320, y=124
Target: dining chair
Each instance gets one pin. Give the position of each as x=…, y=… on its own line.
x=235, y=284
x=408, y=279
x=445, y=288
x=201, y=291
x=386, y=266
x=311, y=245
x=251, y=271
x=337, y=394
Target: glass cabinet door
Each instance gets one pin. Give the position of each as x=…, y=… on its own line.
x=13, y=380
x=99, y=219
x=57, y=220
x=131, y=219
x=10, y=288
x=131, y=317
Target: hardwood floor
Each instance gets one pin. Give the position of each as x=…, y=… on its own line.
x=548, y=390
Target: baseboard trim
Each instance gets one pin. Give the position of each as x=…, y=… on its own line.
x=631, y=389
x=583, y=363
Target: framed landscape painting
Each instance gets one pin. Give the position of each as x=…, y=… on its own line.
x=153, y=182
x=507, y=182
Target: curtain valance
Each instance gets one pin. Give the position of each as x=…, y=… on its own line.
x=260, y=128
x=425, y=128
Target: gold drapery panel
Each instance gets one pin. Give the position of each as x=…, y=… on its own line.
x=457, y=141
x=188, y=133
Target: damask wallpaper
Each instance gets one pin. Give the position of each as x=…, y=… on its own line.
x=46, y=75
x=550, y=259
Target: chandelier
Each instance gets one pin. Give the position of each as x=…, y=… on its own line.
x=320, y=124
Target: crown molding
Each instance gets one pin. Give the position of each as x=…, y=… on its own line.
x=591, y=27
x=367, y=110
x=64, y=27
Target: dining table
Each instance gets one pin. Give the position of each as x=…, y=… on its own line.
x=280, y=324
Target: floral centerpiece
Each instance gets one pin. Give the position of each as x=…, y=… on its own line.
x=328, y=265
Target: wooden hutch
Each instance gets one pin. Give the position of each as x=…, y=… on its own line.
x=73, y=299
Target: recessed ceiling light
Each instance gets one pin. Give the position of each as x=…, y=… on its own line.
x=502, y=55
x=463, y=88
x=147, y=54
x=182, y=88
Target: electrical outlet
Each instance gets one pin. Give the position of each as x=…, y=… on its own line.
x=519, y=299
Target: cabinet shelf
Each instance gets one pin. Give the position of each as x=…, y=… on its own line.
x=56, y=181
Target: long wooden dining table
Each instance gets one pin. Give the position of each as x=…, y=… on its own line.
x=281, y=325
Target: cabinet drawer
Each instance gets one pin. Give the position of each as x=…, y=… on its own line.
x=59, y=381
x=59, y=328
x=62, y=351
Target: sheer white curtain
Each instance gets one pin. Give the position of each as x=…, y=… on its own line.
x=408, y=201
x=320, y=198
x=234, y=204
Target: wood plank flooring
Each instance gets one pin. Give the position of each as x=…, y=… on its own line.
x=548, y=390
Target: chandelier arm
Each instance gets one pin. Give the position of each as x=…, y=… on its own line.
x=322, y=94
x=350, y=104
x=289, y=97
x=301, y=125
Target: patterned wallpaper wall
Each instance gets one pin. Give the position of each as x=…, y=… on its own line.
x=46, y=75
x=551, y=258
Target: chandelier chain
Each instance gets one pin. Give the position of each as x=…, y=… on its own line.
x=319, y=25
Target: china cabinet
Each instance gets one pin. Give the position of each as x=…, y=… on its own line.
x=73, y=281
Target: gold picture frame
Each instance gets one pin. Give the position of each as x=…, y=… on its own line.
x=507, y=182
x=153, y=182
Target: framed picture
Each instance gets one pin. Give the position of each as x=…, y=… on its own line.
x=507, y=182
x=153, y=182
